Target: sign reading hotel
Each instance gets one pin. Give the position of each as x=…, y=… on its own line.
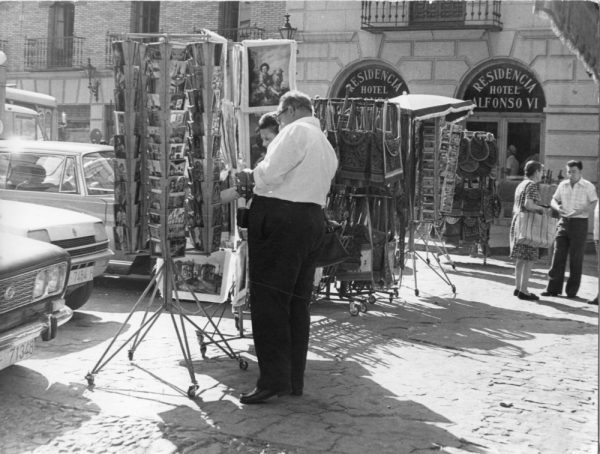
x=505, y=87
x=372, y=81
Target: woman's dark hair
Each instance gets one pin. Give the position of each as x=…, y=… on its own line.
x=269, y=121
x=574, y=163
x=531, y=167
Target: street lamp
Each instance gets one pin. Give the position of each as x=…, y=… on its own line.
x=93, y=81
x=287, y=31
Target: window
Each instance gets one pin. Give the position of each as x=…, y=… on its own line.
x=60, y=34
x=68, y=182
x=33, y=172
x=98, y=173
x=145, y=17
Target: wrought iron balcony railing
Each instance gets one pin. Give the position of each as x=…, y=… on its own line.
x=43, y=54
x=242, y=33
x=420, y=15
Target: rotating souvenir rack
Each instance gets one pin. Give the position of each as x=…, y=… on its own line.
x=366, y=136
x=170, y=91
x=469, y=201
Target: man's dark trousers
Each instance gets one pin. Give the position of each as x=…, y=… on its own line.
x=571, y=235
x=283, y=241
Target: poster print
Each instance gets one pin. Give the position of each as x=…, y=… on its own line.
x=270, y=71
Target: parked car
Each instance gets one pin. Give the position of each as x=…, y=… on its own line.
x=33, y=278
x=82, y=236
x=78, y=176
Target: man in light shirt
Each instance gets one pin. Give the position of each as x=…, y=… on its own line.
x=574, y=199
x=285, y=230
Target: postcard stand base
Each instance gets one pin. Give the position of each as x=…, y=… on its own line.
x=178, y=318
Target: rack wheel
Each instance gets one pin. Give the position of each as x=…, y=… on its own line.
x=90, y=379
x=203, y=350
x=453, y=288
x=192, y=391
x=343, y=290
x=372, y=299
x=353, y=309
x=363, y=307
x=243, y=364
x=396, y=293
x=427, y=261
x=130, y=354
x=453, y=266
x=236, y=321
x=416, y=292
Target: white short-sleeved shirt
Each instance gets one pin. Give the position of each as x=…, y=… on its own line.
x=576, y=197
x=299, y=164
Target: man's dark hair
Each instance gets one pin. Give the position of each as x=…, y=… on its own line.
x=297, y=100
x=575, y=163
x=268, y=121
x=531, y=167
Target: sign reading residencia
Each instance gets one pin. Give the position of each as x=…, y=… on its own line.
x=372, y=81
x=505, y=87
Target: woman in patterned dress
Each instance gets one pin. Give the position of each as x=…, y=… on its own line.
x=527, y=198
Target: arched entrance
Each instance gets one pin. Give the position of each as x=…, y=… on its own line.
x=510, y=103
x=368, y=79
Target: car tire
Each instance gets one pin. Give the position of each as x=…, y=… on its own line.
x=79, y=296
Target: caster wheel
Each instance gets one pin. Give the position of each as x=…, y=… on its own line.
x=203, y=351
x=192, y=391
x=236, y=321
x=353, y=310
x=372, y=299
x=453, y=289
x=243, y=364
x=363, y=307
x=90, y=379
x=453, y=266
x=427, y=261
x=416, y=292
x=130, y=355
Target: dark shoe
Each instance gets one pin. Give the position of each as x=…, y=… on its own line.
x=594, y=301
x=516, y=292
x=549, y=294
x=257, y=396
x=527, y=296
x=296, y=392
x=571, y=297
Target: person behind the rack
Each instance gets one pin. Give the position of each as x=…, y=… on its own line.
x=512, y=163
x=527, y=198
x=268, y=128
x=285, y=231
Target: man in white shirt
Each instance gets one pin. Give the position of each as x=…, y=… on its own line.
x=285, y=231
x=574, y=199
x=512, y=163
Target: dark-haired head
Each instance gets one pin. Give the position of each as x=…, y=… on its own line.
x=269, y=121
x=531, y=167
x=575, y=163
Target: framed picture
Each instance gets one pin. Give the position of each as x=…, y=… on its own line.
x=268, y=71
x=257, y=150
x=208, y=277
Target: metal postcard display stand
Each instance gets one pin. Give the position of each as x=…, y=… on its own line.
x=168, y=94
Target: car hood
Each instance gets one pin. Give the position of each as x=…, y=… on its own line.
x=19, y=254
x=33, y=216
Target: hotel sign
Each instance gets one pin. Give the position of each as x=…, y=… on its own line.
x=372, y=81
x=505, y=87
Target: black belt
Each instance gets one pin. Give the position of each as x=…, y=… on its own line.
x=261, y=198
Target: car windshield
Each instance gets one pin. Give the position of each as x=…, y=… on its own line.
x=98, y=172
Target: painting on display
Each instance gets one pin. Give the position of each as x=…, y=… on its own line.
x=270, y=69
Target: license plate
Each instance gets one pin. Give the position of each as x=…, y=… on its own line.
x=17, y=353
x=80, y=275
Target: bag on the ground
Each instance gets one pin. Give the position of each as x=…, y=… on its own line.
x=534, y=229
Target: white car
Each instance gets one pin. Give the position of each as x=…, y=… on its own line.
x=82, y=236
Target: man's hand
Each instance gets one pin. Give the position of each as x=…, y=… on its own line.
x=244, y=181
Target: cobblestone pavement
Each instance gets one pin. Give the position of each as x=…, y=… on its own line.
x=478, y=372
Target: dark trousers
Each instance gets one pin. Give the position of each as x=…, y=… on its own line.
x=571, y=235
x=283, y=241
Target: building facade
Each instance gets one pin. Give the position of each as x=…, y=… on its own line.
x=529, y=89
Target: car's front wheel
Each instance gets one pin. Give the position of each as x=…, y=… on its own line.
x=79, y=296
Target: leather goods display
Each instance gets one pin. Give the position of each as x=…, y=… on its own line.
x=535, y=229
x=479, y=148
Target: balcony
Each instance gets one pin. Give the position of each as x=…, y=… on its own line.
x=43, y=54
x=240, y=34
x=425, y=15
